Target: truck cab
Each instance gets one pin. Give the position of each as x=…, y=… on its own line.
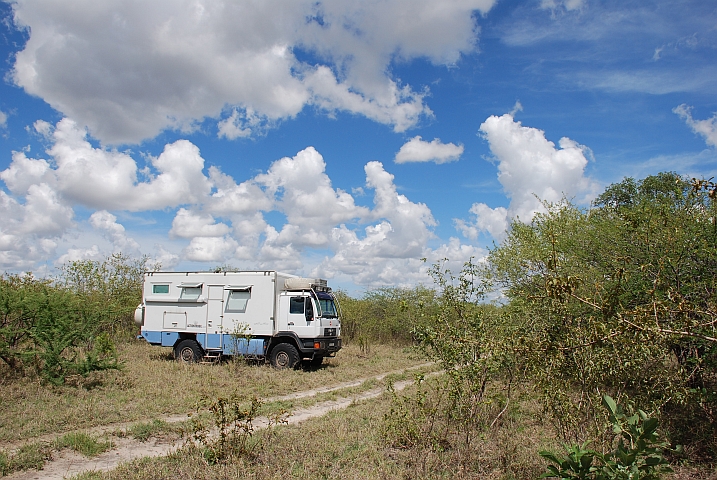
x=309, y=317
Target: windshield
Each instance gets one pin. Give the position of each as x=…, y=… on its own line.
x=328, y=309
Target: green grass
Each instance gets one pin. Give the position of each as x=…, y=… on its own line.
x=144, y=430
x=153, y=385
x=83, y=443
x=29, y=456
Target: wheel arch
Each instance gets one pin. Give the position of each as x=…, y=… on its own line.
x=185, y=336
x=284, y=337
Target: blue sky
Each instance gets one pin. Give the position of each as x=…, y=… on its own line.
x=345, y=139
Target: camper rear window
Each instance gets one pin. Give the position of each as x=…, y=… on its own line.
x=190, y=293
x=238, y=300
x=160, y=289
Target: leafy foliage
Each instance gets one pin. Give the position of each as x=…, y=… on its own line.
x=65, y=326
x=232, y=435
x=636, y=456
x=474, y=346
x=618, y=299
x=385, y=315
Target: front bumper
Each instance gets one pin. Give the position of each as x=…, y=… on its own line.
x=321, y=347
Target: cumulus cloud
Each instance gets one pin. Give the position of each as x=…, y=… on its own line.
x=418, y=150
x=128, y=70
x=24, y=172
x=303, y=192
x=210, y=249
x=106, y=223
x=531, y=169
x=216, y=218
x=388, y=251
x=188, y=224
x=108, y=179
x=27, y=235
x=165, y=259
x=80, y=254
x=3, y=119
x=706, y=128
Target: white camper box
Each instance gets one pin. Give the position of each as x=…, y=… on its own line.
x=261, y=314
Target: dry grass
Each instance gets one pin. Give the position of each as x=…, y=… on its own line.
x=349, y=444
x=153, y=385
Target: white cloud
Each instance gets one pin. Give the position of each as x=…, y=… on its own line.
x=166, y=259
x=75, y=254
x=221, y=219
x=531, y=169
x=44, y=214
x=27, y=237
x=240, y=124
x=210, y=249
x=245, y=198
x=302, y=191
x=3, y=119
x=107, y=179
x=706, y=128
x=491, y=220
x=106, y=223
x=418, y=150
x=386, y=252
x=24, y=172
x=130, y=70
x=188, y=224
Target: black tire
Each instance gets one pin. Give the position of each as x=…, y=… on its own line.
x=284, y=356
x=188, y=351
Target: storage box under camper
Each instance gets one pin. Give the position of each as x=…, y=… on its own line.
x=261, y=314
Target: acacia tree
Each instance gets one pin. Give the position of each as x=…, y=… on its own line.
x=618, y=299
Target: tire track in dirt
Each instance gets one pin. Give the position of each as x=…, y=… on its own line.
x=67, y=463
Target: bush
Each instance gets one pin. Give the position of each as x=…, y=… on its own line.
x=66, y=326
x=637, y=454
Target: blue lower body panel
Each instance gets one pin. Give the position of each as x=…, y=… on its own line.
x=226, y=343
x=242, y=346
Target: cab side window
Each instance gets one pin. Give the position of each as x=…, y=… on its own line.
x=296, y=305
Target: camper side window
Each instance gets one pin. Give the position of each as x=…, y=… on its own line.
x=190, y=293
x=160, y=289
x=296, y=305
x=238, y=300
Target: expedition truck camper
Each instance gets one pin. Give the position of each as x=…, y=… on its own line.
x=257, y=314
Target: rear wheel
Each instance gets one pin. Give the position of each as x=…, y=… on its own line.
x=188, y=351
x=283, y=356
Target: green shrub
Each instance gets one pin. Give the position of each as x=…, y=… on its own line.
x=637, y=455
x=233, y=424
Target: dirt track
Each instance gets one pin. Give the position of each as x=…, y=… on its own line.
x=67, y=463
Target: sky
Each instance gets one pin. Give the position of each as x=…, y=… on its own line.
x=359, y=141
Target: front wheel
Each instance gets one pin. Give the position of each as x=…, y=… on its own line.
x=284, y=356
x=188, y=351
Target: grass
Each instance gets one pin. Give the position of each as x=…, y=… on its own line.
x=349, y=444
x=153, y=385
x=143, y=431
x=83, y=443
x=29, y=456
